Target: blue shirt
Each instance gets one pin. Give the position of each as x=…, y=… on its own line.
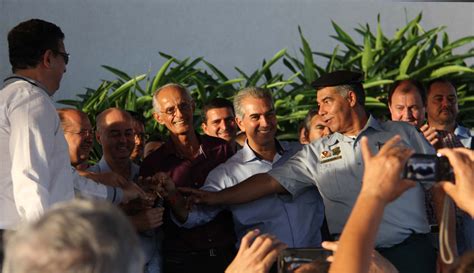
x=294, y=221
x=148, y=240
x=334, y=164
x=465, y=136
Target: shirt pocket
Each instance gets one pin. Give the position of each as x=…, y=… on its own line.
x=333, y=179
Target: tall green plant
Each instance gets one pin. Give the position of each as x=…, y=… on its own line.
x=411, y=52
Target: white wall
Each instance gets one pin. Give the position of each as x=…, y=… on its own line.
x=128, y=34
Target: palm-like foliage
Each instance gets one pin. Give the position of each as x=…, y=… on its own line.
x=412, y=52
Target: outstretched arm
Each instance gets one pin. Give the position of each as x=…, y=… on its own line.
x=253, y=188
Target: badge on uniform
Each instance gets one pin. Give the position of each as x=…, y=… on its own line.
x=331, y=155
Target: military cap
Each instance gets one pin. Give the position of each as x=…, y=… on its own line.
x=339, y=77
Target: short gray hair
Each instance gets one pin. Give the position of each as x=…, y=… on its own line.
x=344, y=89
x=75, y=237
x=156, y=105
x=255, y=92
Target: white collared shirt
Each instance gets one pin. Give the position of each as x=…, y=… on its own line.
x=35, y=170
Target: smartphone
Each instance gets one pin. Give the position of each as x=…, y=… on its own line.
x=292, y=258
x=428, y=168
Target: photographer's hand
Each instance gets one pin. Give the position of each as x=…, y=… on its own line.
x=378, y=264
x=381, y=185
x=462, y=191
x=257, y=253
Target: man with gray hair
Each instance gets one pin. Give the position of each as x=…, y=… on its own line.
x=294, y=221
x=187, y=158
x=334, y=164
x=77, y=236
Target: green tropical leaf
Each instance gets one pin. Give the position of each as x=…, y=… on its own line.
x=367, y=59
x=308, y=70
x=407, y=60
x=379, y=39
x=125, y=87
x=377, y=83
x=117, y=72
x=256, y=77
x=458, y=43
x=157, y=80
x=399, y=34
x=440, y=72
x=342, y=34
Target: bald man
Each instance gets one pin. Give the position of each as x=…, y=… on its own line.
x=116, y=136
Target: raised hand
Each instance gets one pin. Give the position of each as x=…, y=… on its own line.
x=256, y=254
x=378, y=264
x=462, y=191
x=132, y=191
x=430, y=134
x=382, y=171
x=148, y=219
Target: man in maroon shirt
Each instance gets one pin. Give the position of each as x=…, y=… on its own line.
x=187, y=158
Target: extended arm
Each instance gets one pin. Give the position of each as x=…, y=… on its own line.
x=253, y=188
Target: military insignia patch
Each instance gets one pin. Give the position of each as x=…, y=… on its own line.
x=333, y=154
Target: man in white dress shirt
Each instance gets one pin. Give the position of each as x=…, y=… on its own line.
x=35, y=171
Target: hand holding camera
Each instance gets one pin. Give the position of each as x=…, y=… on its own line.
x=462, y=190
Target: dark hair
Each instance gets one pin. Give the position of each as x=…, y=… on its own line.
x=437, y=80
x=216, y=103
x=29, y=40
x=417, y=84
x=137, y=117
x=307, y=120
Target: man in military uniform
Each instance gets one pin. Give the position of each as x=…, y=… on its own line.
x=334, y=164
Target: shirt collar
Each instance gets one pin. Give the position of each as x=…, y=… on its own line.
x=462, y=132
x=104, y=167
x=338, y=137
x=170, y=149
x=14, y=77
x=248, y=154
x=372, y=123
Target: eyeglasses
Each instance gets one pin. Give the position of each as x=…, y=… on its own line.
x=183, y=107
x=64, y=55
x=83, y=133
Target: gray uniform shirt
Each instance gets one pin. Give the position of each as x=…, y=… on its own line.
x=334, y=164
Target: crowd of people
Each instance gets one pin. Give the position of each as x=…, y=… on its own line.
x=231, y=199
